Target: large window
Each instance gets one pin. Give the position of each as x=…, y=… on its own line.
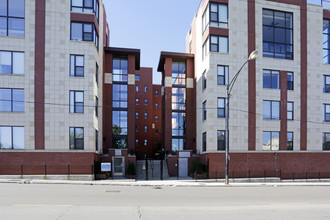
x=204, y=111
x=326, y=88
x=326, y=141
x=77, y=65
x=290, y=111
x=221, y=107
x=206, y=49
x=216, y=15
x=204, y=141
x=179, y=73
x=88, y=6
x=221, y=140
x=326, y=41
x=11, y=137
x=119, y=96
x=290, y=81
x=223, y=72
x=84, y=32
x=271, y=140
x=204, y=80
x=12, y=100
x=290, y=141
x=178, y=98
x=219, y=44
x=326, y=112
x=76, y=138
x=119, y=122
x=178, y=123
x=271, y=110
x=271, y=79
x=120, y=69
x=76, y=102
x=277, y=34
x=12, y=22
x=11, y=62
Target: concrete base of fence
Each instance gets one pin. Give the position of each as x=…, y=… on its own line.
x=49, y=177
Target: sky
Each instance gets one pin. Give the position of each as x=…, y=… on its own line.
x=151, y=26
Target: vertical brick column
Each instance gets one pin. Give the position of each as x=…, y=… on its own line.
x=252, y=77
x=131, y=107
x=107, y=104
x=303, y=75
x=39, y=76
x=168, y=107
x=191, y=110
x=283, y=115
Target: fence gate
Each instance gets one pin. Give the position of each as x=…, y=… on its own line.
x=118, y=166
x=183, y=167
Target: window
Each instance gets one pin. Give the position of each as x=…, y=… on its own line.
x=290, y=141
x=120, y=68
x=156, y=106
x=137, y=77
x=205, y=49
x=221, y=140
x=145, y=115
x=178, y=124
x=204, y=111
x=221, y=108
x=271, y=110
x=290, y=111
x=97, y=75
x=136, y=128
x=223, y=72
x=326, y=41
x=76, y=102
x=146, y=101
x=216, y=15
x=88, y=6
x=119, y=123
x=156, y=118
x=136, y=142
x=136, y=101
x=137, y=115
x=12, y=100
x=145, y=88
x=84, y=32
x=145, y=142
x=277, y=34
x=270, y=140
x=11, y=62
x=326, y=141
x=271, y=79
x=12, y=22
x=145, y=128
x=156, y=130
x=177, y=144
x=204, y=80
x=219, y=44
x=156, y=92
x=204, y=141
x=11, y=137
x=119, y=95
x=96, y=106
x=179, y=73
x=96, y=140
x=326, y=112
x=326, y=88
x=290, y=81
x=77, y=65
x=178, y=98
x=76, y=138
x=136, y=88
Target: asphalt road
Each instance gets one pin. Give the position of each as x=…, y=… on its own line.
x=50, y=202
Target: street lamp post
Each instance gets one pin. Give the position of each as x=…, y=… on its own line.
x=252, y=56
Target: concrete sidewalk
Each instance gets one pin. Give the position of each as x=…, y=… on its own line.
x=179, y=183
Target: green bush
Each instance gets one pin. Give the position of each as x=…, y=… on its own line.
x=131, y=169
x=198, y=167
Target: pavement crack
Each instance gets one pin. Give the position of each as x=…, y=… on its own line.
x=139, y=211
x=63, y=213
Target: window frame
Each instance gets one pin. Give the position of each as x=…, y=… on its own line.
x=290, y=84
x=221, y=108
x=96, y=106
x=12, y=101
x=12, y=138
x=75, y=139
x=204, y=141
x=289, y=144
x=326, y=86
x=204, y=80
x=326, y=35
x=12, y=63
x=93, y=33
x=75, y=103
x=271, y=116
x=271, y=72
x=95, y=8
x=75, y=66
x=225, y=76
x=326, y=113
x=217, y=44
x=204, y=111
x=8, y=17
x=219, y=148
x=290, y=111
x=325, y=144
x=276, y=147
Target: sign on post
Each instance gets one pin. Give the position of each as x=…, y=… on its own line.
x=105, y=167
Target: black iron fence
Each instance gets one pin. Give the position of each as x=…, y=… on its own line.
x=47, y=170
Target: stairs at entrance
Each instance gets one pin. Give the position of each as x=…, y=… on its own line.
x=154, y=169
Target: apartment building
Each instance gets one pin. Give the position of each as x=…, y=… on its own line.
x=279, y=104
x=50, y=84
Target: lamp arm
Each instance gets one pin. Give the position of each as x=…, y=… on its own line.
x=232, y=82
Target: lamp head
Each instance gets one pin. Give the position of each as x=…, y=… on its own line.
x=253, y=55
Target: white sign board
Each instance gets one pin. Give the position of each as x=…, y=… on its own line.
x=184, y=154
x=118, y=152
x=105, y=167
